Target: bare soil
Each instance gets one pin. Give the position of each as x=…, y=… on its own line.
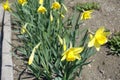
x=103, y=66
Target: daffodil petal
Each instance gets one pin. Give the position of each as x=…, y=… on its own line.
x=91, y=43
x=78, y=57
x=65, y=52
x=98, y=48
x=81, y=18
x=97, y=45
x=78, y=50
x=91, y=36
x=106, y=33
x=101, y=39
x=90, y=11
x=100, y=30
x=63, y=58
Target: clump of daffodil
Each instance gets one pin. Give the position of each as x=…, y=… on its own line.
x=22, y=2
x=56, y=5
x=32, y=54
x=42, y=9
x=99, y=38
x=6, y=6
x=86, y=15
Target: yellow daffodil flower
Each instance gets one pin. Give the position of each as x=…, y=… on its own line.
x=86, y=15
x=6, y=6
x=22, y=2
x=41, y=2
x=42, y=9
x=99, y=38
x=56, y=5
x=72, y=54
x=32, y=54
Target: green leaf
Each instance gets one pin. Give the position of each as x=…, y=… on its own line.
x=58, y=78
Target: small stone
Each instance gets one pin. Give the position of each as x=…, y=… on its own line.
x=109, y=79
x=89, y=65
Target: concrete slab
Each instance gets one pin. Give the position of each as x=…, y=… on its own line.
x=7, y=33
x=7, y=66
x=1, y=12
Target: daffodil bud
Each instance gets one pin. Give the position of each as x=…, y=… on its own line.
x=51, y=17
x=32, y=54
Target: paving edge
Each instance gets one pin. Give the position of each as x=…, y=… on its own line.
x=7, y=65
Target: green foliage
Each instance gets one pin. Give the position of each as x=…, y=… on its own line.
x=47, y=62
x=1, y=1
x=87, y=6
x=114, y=44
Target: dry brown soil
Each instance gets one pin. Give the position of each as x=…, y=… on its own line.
x=103, y=66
